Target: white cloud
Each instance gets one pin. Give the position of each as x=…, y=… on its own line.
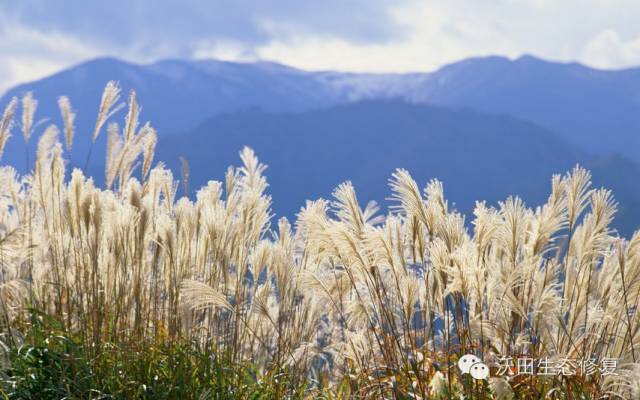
x=397, y=36
x=226, y=50
x=442, y=32
x=608, y=50
x=30, y=54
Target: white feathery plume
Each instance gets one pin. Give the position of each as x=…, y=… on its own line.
x=68, y=118
x=252, y=170
x=47, y=142
x=406, y=192
x=576, y=188
x=347, y=208
x=108, y=107
x=198, y=296
x=149, y=142
x=114, y=148
x=29, y=106
x=132, y=118
x=6, y=123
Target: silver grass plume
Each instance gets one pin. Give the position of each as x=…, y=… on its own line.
x=47, y=151
x=114, y=148
x=577, y=191
x=150, y=140
x=406, y=193
x=68, y=118
x=46, y=142
x=29, y=106
x=132, y=118
x=198, y=296
x=108, y=107
x=185, y=173
x=6, y=123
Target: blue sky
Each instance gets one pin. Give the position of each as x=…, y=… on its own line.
x=39, y=37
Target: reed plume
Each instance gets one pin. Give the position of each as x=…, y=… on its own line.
x=6, y=123
x=68, y=118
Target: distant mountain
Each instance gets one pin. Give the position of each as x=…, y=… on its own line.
x=595, y=110
x=477, y=156
x=175, y=95
x=310, y=127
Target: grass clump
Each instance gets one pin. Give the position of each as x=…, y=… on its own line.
x=161, y=296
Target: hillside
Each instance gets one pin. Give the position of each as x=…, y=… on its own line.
x=507, y=124
x=176, y=95
x=477, y=156
x=591, y=109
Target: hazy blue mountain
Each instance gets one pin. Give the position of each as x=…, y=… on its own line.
x=175, y=95
x=477, y=156
x=290, y=116
x=596, y=110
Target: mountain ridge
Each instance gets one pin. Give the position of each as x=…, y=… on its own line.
x=569, y=104
x=582, y=104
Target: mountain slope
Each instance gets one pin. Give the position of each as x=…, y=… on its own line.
x=175, y=95
x=598, y=111
x=590, y=111
x=477, y=156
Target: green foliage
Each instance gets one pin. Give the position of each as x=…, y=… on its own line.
x=53, y=365
x=48, y=365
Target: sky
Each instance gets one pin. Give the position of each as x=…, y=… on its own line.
x=40, y=37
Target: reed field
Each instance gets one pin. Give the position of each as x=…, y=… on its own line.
x=133, y=290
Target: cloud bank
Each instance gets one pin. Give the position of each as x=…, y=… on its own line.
x=38, y=37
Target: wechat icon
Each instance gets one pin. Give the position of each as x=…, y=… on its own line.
x=470, y=364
